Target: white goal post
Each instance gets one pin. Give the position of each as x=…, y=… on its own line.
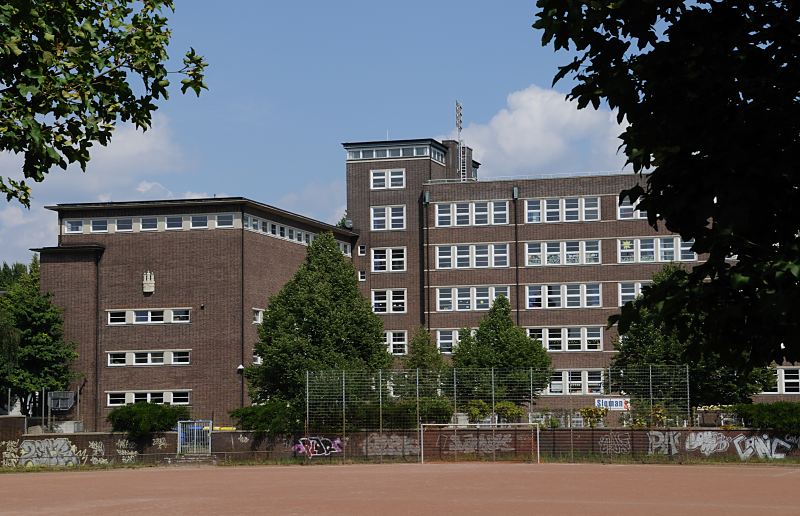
x=466, y=427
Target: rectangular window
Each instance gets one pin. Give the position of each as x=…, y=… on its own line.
x=534, y=254
x=378, y=179
x=444, y=257
x=379, y=260
x=463, y=298
x=482, y=298
x=226, y=221
x=533, y=211
x=396, y=342
x=174, y=223
x=628, y=292
x=626, y=210
x=116, y=399
x=141, y=397
x=553, y=253
x=389, y=301
x=791, y=381
x=116, y=317
x=99, y=226
x=388, y=217
x=362, y=250
x=157, y=397
x=572, y=209
x=481, y=213
x=591, y=208
x=555, y=339
x=573, y=296
x=462, y=214
x=534, y=295
x=444, y=215
x=647, y=250
x=181, y=315
x=149, y=224
x=594, y=382
x=446, y=340
x=481, y=256
x=116, y=359
x=575, y=385
x=180, y=398
x=593, y=298
x=666, y=251
x=556, y=383
x=686, y=250
x=552, y=210
x=500, y=255
x=462, y=256
x=181, y=357
x=572, y=253
x=74, y=226
x=553, y=296
x=626, y=251
x=258, y=315
x=592, y=251
x=444, y=299
x=124, y=225
x=574, y=340
x=500, y=212
x=362, y=275
x=148, y=316
x=594, y=338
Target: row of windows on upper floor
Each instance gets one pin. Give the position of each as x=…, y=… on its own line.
x=267, y=227
x=395, y=152
x=480, y=298
x=487, y=213
x=566, y=339
x=157, y=357
x=171, y=397
x=569, y=252
x=190, y=222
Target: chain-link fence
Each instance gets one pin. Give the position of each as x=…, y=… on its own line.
x=348, y=401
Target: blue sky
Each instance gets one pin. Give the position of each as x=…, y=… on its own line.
x=290, y=81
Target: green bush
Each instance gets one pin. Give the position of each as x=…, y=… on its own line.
x=593, y=416
x=782, y=416
x=508, y=412
x=275, y=417
x=477, y=410
x=435, y=410
x=140, y=420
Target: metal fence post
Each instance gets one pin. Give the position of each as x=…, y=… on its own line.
x=494, y=417
x=688, y=399
x=651, y=394
x=380, y=403
x=530, y=406
x=308, y=398
x=344, y=418
x=419, y=426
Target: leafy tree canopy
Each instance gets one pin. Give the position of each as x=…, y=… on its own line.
x=10, y=274
x=41, y=357
x=653, y=341
x=141, y=420
x=709, y=90
x=423, y=353
x=70, y=69
x=499, y=343
x=318, y=321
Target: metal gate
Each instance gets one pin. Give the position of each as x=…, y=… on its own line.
x=194, y=437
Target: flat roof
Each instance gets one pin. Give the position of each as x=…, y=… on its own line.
x=394, y=143
x=208, y=201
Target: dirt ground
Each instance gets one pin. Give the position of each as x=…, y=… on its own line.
x=462, y=488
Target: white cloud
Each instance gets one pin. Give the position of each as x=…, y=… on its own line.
x=539, y=132
x=322, y=201
x=127, y=169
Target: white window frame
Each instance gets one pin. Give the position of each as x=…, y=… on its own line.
x=468, y=297
x=198, y=222
x=391, y=297
x=629, y=211
x=391, y=257
x=116, y=395
x=129, y=229
x=150, y=358
x=637, y=290
x=180, y=317
x=117, y=312
x=556, y=339
x=554, y=253
x=218, y=221
x=258, y=315
x=117, y=355
x=554, y=296
x=97, y=222
x=170, y=220
x=389, y=218
x=149, y=219
x=451, y=342
x=388, y=177
x=396, y=338
x=73, y=226
x=569, y=378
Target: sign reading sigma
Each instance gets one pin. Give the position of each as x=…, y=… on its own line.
x=613, y=403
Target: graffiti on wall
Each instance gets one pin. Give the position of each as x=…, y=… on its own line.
x=663, y=443
x=762, y=446
x=615, y=443
x=317, y=446
x=98, y=453
x=390, y=445
x=471, y=443
x=10, y=453
x=50, y=452
x=126, y=451
x=708, y=442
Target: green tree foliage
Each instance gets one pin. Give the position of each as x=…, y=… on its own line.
x=782, y=416
x=423, y=353
x=272, y=418
x=318, y=321
x=651, y=340
x=141, y=420
x=70, y=69
x=42, y=357
x=9, y=274
x=709, y=93
x=499, y=343
x=9, y=342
